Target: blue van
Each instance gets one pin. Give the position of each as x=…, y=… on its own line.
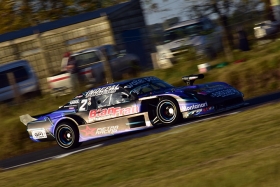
x=25, y=78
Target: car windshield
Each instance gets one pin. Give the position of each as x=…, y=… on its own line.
x=150, y=87
x=182, y=32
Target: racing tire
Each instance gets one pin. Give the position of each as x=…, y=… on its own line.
x=168, y=111
x=67, y=135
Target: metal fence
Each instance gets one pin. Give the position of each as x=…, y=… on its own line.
x=45, y=50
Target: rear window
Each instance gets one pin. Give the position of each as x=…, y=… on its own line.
x=86, y=58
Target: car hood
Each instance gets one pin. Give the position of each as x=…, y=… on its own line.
x=211, y=92
x=203, y=92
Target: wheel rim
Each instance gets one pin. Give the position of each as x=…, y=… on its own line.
x=167, y=111
x=66, y=136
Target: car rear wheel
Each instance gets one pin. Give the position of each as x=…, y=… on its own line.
x=168, y=111
x=67, y=135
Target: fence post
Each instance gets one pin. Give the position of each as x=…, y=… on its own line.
x=45, y=59
x=107, y=68
x=12, y=82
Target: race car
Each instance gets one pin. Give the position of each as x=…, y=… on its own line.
x=128, y=106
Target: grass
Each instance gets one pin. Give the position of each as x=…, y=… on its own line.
x=238, y=150
x=258, y=75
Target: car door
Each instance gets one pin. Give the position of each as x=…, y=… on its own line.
x=113, y=106
x=108, y=116
x=89, y=66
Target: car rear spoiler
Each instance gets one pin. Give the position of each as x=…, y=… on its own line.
x=26, y=118
x=189, y=80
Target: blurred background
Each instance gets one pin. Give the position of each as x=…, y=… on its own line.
x=61, y=46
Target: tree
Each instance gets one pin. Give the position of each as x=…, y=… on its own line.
x=268, y=10
x=11, y=20
x=20, y=14
x=222, y=10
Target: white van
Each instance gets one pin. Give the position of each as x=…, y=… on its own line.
x=201, y=34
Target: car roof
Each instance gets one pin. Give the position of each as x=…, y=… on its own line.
x=97, y=48
x=123, y=82
x=183, y=23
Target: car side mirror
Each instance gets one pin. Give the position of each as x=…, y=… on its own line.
x=125, y=95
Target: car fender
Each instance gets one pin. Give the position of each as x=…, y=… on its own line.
x=66, y=119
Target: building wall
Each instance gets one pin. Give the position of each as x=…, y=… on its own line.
x=45, y=50
x=128, y=18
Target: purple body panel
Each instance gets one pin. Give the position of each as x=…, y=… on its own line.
x=132, y=112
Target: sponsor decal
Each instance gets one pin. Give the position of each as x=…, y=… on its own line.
x=78, y=96
x=89, y=101
x=99, y=131
x=73, y=102
x=134, y=83
x=194, y=106
x=224, y=93
x=39, y=133
x=89, y=131
x=70, y=106
x=195, y=112
x=140, y=81
x=107, y=130
x=106, y=113
x=102, y=91
x=210, y=88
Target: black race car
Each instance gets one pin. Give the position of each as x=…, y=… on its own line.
x=128, y=106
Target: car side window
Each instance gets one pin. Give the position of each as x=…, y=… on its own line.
x=108, y=100
x=103, y=100
x=87, y=58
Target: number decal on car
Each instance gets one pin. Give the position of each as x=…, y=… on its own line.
x=83, y=106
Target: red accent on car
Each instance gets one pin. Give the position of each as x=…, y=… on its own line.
x=85, y=72
x=59, y=79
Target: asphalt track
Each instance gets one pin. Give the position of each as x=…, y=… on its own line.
x=57, y=153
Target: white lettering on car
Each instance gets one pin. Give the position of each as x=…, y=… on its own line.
x=74, y=102
x=193, y=107
x=107, y=130
x=107, y=113
x=101, y=91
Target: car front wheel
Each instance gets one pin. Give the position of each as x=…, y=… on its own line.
x=168, y=111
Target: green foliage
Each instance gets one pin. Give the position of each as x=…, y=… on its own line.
x=238, y=150
x=18, y=14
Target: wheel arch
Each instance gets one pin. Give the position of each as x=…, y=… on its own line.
x=156, y=99
x=65, y=119
x=172, y=98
